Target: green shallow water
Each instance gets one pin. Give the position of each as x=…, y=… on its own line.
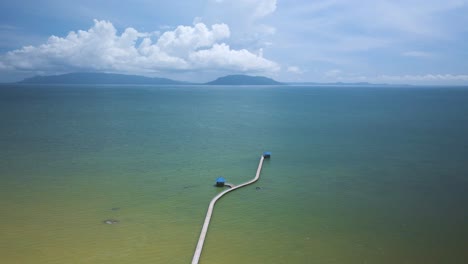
x=357, y=175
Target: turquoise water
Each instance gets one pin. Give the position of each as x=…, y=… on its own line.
x=357, y=174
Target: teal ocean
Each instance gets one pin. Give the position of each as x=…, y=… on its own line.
x=357, y=174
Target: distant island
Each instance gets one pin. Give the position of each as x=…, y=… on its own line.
x=110, y=78
x=97, y=78
x=337, y=83
x=123, y=79
x=243, y=80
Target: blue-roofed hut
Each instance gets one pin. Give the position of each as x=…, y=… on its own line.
x=267, y=154
x=220, y=181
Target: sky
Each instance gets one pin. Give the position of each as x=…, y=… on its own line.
x=377, y=41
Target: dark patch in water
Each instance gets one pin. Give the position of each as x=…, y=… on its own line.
x=258, y=188
x=115, y=208
x=110, y=221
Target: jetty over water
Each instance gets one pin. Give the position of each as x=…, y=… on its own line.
x=201, y=240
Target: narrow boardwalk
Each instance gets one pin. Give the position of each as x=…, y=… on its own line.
x=201, y=240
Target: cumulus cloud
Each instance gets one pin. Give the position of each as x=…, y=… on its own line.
x=221, y=55
x=186, y=48
x=185, y=39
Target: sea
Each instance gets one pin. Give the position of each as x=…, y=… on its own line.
x=358, y=174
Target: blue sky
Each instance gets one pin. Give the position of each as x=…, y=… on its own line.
x=414, y=41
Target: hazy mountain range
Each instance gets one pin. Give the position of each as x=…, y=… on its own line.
x=97, y=78
x=110, y=78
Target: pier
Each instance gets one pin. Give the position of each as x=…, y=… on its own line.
x=201, y=240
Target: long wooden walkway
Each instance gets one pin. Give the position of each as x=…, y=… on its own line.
x=201, y=240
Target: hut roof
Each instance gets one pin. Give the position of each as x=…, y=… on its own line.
x=220, y=179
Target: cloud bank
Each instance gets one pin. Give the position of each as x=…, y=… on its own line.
x=101, y=48
x=423, y=79
x=373, y=38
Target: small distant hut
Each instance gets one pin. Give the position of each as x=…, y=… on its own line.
x=220, y=181
x=267, y=154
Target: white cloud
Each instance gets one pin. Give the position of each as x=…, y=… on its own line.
x=185, y=39
x=188, y=48
x=221, y=55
